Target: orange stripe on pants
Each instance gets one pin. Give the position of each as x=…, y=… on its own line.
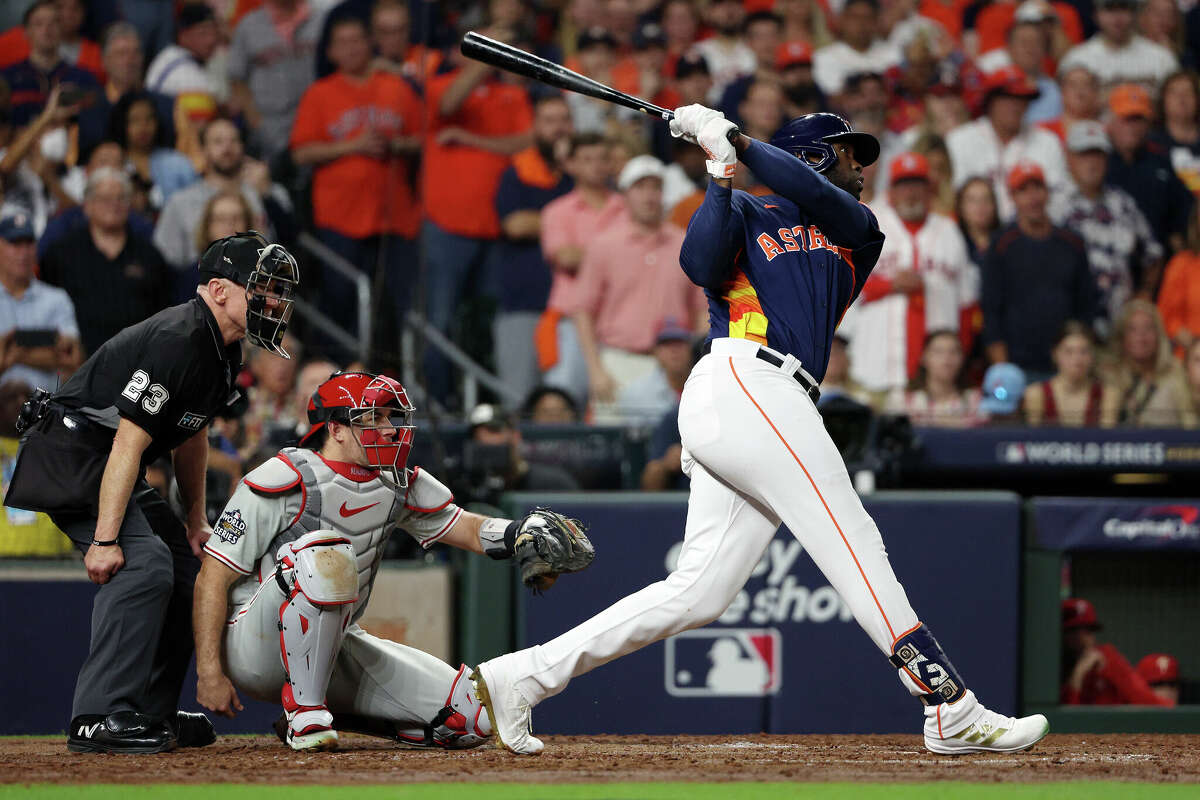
x=821, y=497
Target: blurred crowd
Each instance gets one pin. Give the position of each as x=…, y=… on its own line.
x=1039, y=167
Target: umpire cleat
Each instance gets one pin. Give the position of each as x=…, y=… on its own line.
x=989, y=732
x=119, y=732
x=507, y=710
x=311, y=728
x=192, y=730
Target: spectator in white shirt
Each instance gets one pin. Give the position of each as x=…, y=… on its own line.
x=923, y=282
x=1117, y=54
x=996, y=142
x=859, y=50
x=179, y=68
x=728, y=57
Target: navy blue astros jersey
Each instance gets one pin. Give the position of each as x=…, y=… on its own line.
x=781, y=269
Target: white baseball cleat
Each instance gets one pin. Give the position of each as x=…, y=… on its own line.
x=311, y=728
x=990, y=732
x=507, y=710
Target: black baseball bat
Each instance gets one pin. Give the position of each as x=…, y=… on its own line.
x=515, y=60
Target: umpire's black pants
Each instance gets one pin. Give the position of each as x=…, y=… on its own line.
x=142, y=618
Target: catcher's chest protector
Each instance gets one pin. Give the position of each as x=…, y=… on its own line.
x=364, y=512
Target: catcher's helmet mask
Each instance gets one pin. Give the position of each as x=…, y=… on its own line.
x=812, y=137
x=379, y=414
x=269, y=283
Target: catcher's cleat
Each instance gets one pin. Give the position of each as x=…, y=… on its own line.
x=311, y=728
x=507, y=710
x=987, y=732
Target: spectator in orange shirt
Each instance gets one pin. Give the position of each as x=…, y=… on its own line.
x=357, y=127
x=1093, y=673
x=994, y=20
x=73, y=47
x=629, y=283
x=681, y=25
x=391, y=29
x=479, y=119
x=1179, y=297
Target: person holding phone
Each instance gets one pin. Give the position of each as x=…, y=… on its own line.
x=39, y=338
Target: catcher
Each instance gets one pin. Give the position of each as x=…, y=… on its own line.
x=291, y=565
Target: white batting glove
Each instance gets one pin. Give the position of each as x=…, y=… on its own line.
x=689, y=120
x=714, y=139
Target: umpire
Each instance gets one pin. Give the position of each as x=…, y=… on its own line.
x=148, y=391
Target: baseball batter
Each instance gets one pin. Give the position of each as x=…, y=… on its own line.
x=291, y=565
x=779, y=271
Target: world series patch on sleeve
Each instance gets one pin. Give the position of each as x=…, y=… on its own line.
x=230, y=526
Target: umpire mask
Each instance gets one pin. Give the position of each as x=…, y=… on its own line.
x=269, y=274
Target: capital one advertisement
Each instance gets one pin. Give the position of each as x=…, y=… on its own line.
x=787, y=656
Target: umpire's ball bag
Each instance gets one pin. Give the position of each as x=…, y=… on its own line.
x=59, y=465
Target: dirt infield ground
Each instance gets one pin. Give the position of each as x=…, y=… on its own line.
x=1133, y=757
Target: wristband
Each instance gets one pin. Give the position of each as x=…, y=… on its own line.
x=497, y=536
x=109, y=543
x=719, y=169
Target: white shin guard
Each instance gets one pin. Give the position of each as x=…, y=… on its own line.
x=320, y=581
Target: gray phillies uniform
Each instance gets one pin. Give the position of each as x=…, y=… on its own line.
x=290, y=495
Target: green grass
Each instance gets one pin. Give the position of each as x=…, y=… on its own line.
x=622, y=791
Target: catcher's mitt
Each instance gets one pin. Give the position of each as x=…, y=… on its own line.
x=548, y=544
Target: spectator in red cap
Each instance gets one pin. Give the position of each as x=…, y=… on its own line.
x=922, y=283
x=1035, y=278
x=1027, y=48
x=996, y=142
x=1161, y=672
x=793, y=62
x=1143, y=170
x=1097, y=674
x=1117, y=54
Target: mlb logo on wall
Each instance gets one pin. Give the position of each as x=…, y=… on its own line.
x=724, y=662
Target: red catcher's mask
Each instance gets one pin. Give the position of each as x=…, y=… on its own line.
x=378, y=411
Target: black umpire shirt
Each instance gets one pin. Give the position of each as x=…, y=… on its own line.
x=168, y=374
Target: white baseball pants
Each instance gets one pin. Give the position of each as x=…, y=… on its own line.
x=373, y=677
x=757, y=454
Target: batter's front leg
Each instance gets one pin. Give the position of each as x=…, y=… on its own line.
x=797, y=471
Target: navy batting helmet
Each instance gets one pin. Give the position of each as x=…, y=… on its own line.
x=812, y=137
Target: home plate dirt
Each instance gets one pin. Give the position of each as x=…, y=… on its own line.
x=576, y=759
